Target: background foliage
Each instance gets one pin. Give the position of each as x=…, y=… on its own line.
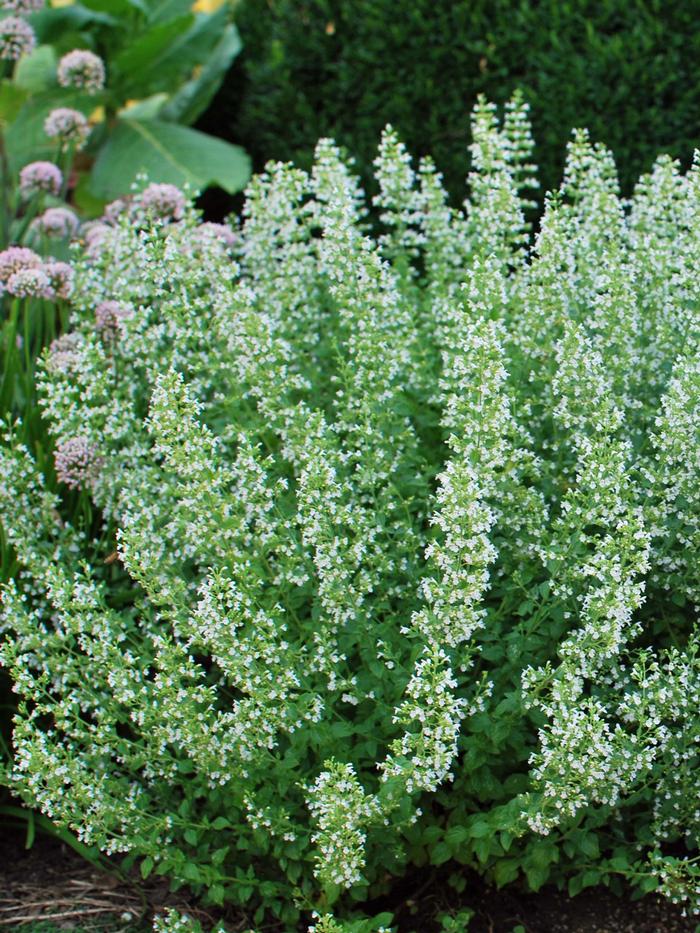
x=163, y=65
x=625, y=69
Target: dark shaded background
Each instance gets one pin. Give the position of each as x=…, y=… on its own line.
x=629, y=70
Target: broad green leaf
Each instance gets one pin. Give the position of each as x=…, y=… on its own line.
x=52, y=23
x=118, y=8
x=187, y=50
x=160, y=11
x=165, y=152
x=193, y=98
x=147, y=109
x=88, y=205
x=11, y=100
x=37, y=71
x=142, y=58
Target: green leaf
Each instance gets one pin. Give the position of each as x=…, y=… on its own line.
x=146, y=867
x=193, y=98
x=536, y=875
x=166, y=153
x=52, y=23
x=133, y=67
x=37, y=71
x=456, y=835
x=89, y=206
x=120, y=8
x=188, y=50
x=192, y=872
x=505, y=871
x=480, y=829
x=440, y=854
x=148, y=109
x=589, y=845
x=160, y=11
x=11, y=100
x=216, y=894
x=221, y=823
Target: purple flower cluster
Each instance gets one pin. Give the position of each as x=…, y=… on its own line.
x=214, y=231
x=15, y=258
x=22, y=6
x=82, y=69
x=24, y=274
x=30, y=282
x=163, y=202
x=109, y=319
x=16, y=38
x=69, y=126
x=78, y=463
x=39, y=177
x=63, y=353
x=61, y=278
x=58, y=222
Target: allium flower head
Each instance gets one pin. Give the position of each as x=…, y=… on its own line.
x=96, y=234
x=217, y=232
x=15, y=258
x=115, y=209
x=22, y=6
x=29, y=283
x=69, y=126
x=61, y=278
x=16, y=38
x=82, y=69
x=78, y=463
x=165, y=202
x=109, y=318
x=40, y=176
x=63, y=353
x=57, y=222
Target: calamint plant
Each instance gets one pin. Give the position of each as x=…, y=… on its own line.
x=405, y=565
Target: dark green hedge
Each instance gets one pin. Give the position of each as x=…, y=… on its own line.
x=628, y=70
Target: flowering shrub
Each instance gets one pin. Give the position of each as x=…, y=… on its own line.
x=405, y=566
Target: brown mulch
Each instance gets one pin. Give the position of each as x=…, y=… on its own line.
x=50, y=882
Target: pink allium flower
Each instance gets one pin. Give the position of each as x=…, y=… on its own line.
x=165, y=202
x=57, y=222
x=82, y=69
x=218, y=232
x=109, y=319
x=63, y=353
x=95, y=234
x=115, y=209
x=29, y=283
x=78, y=463
x=22, y=6
x=15, y=258
x=69, y=126
x=16, y=38
x=61, y=278
x=40, y=176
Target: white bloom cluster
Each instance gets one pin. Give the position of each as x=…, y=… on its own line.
x=341, y=808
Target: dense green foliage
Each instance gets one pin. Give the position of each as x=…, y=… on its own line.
x=626, y=69
x=406, y=564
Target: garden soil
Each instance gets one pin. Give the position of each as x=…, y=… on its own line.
x=50, y=882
